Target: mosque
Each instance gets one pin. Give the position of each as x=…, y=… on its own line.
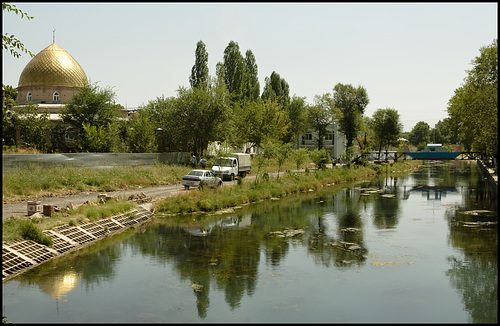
x=50, y=79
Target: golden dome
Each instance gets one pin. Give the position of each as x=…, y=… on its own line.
x=53, y=67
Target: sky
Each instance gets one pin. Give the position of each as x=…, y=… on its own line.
x=408, y=56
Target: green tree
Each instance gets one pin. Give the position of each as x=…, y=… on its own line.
x=199, y=72
x=299, y=156
x=351, y=101
x=251, y=90
x=320, y=157
x=386, y=128
x=263, y=157
x=163, y=114
x=33, y=126
x=220, y=76
x=141, y=134
x=195, y=117
x=280, y=151
x=297, y=115
x=9, y=41
x=234, y=70
x=319, y=117
x=437, y=137
x=474, y=106
x=276, y=89
x=420, y=135
x=93, y=106
x=448, y=130
x=9, y=96
x=94, y=139
x=260, y=120
x=8, y=129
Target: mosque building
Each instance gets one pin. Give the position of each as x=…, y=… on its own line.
x=50, y=79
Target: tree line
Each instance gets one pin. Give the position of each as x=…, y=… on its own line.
x=229, y=108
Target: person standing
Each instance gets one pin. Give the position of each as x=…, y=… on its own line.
x=193, y=161
x=203, y=162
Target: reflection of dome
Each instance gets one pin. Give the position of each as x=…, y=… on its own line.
x=58, y=286
x=53, y=66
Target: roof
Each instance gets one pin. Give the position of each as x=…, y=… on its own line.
x=53, y=66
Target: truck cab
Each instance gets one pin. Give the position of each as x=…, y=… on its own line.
x=227, y=168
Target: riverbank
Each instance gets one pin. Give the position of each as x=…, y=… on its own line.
x=490, y=174
x=22, y=255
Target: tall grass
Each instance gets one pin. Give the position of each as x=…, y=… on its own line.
x=35, y=181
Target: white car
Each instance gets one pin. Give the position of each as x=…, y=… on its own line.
x=200, y=178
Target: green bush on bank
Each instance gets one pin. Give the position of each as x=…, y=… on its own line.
x=29, y=231
x=246, y=192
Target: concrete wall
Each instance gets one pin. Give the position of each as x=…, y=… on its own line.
x=490, y=176
x=100, y=160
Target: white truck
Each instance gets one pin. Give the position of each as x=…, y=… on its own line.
x=229, y=167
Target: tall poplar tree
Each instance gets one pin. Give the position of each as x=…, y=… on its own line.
x=199, y=72
x=276, y=89
x=234, y=70
x=251, y=90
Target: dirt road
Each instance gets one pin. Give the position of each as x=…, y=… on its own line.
x=21, y=208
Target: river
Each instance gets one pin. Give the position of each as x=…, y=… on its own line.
x=417, y=248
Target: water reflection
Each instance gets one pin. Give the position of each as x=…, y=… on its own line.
x=90, y=265
x=474, y=230
x=336, y=229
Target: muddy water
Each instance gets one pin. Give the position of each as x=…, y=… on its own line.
x=416, y=248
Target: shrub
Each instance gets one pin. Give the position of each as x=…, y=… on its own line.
x=30, y=231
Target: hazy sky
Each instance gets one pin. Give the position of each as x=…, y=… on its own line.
x=408, y=56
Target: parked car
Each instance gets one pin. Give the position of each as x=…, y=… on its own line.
x=200, y=178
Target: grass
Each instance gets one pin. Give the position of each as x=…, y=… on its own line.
x=35, y=182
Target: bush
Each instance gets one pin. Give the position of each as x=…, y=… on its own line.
x=29, y=231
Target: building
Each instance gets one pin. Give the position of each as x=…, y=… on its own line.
x=334, y=141
x=49, y=80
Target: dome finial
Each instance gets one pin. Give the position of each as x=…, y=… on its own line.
x=54, y=36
